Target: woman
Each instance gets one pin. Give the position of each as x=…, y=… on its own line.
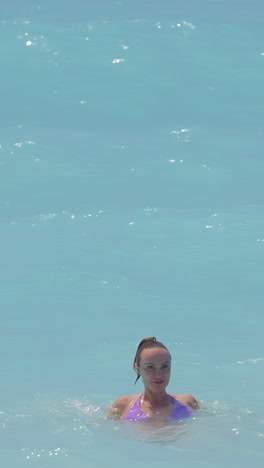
x=153, y=363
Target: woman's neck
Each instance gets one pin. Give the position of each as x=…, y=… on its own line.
x=156, y=399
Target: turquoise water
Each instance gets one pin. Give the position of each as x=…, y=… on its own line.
x=131, y=182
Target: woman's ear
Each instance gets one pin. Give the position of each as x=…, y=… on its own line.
x=136, y=366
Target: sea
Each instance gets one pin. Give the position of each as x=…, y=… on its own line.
x=131, y=205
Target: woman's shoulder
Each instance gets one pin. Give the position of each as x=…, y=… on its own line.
x=122, y=405
x=125, y=400
x=187, y=399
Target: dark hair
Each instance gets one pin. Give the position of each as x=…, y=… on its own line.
x=145, y=344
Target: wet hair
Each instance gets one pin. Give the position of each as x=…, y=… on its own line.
x=146, y=343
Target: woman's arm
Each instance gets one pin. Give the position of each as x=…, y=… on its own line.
x=118, y=407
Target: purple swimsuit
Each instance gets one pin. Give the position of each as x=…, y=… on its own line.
x=180, y=411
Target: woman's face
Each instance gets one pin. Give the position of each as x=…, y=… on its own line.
x=154, y=368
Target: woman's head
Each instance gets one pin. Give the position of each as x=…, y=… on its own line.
x=147, y=344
